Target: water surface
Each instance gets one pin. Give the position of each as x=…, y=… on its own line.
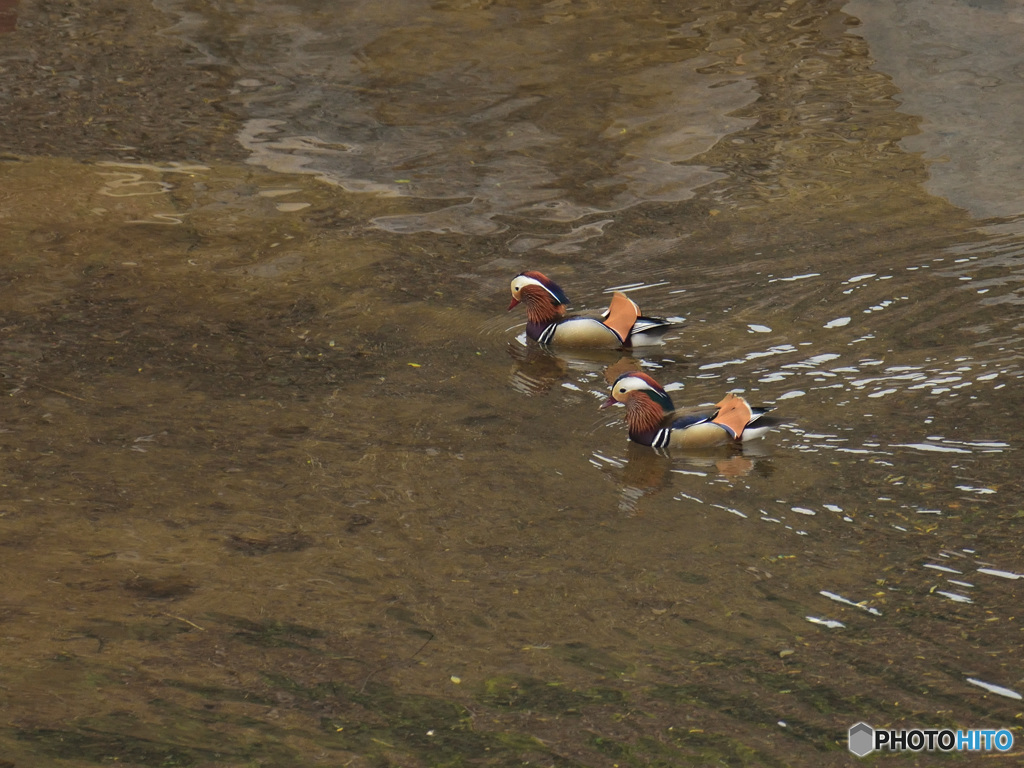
x=281, y=485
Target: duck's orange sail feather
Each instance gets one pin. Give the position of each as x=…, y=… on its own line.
x=735, y=413
x=622, y=314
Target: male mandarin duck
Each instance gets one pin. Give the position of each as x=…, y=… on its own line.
x=652, y=420
x=621, y=325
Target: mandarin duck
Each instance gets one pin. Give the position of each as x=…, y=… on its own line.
x=622, y=324
x=653, y=421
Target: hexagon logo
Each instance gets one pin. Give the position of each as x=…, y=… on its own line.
x=861, y=739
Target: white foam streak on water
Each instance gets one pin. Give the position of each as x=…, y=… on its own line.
x=631, y=287
x=770, y=352
x=608, y=460
x=1001, y=574
x=712, y=366
x=730, y=509
x=942, y=568
x=839, y=322
x=929, y=447
x=794, y=278
x=861, y=383
x=883, y=393
x=844, y=601
x=824, y=357
x=954, y=596
x=680, y=496
x=996, y=689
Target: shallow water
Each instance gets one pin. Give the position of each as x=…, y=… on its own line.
x=283, y=486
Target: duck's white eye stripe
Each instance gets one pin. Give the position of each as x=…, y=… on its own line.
x=522, y=281
x=632, y=382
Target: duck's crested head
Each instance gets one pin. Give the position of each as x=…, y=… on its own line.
x=633, y=384
x=647, y=402
x=537, y=289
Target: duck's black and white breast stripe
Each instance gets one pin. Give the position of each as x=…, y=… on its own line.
x=661, y=438
x=547, y=334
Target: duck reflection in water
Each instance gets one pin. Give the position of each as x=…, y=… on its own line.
x=538, y=368
x=644, y=472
